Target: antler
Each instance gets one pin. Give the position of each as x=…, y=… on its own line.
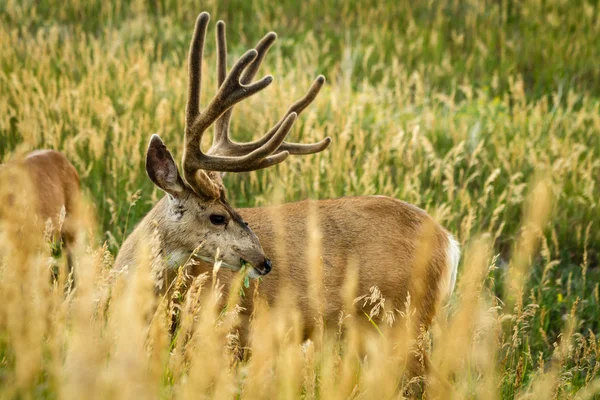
x=222, y=144
x=224, y=155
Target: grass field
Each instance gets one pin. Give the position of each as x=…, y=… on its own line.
x=484, y=113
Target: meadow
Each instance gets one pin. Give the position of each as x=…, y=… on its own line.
x=484, y=113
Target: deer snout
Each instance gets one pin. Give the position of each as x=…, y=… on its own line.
x=268, y=266
x=264, y=267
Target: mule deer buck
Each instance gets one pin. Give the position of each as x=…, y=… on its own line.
x=381, y=235
x=41, y=194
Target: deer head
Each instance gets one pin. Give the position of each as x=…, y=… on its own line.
x=197, y=214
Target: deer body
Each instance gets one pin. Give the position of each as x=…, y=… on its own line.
x=393, y=245
x=44, y=182
x=378, y=234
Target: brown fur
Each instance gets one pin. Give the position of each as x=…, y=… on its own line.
x=52, y=182
x=379, y=234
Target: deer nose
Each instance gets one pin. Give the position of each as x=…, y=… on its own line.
x=268, y=266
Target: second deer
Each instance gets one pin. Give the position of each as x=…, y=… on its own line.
x=41, y=194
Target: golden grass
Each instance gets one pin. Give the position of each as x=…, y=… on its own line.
x=113, y=337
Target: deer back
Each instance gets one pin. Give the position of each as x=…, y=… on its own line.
x=42, y=187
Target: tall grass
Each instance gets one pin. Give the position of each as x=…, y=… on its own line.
x=466, y=109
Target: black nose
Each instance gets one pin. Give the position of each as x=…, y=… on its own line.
x=268, y=266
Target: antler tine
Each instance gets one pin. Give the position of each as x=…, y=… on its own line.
x=221, y=54
x=195, y=68
x=300, y=105
x=262, y=47
x=222, y=124
x=221, y=135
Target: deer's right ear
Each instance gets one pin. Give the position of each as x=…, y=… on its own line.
x=161, y=167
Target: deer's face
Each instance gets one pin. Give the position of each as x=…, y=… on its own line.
x=219, y=229
x=203, y=222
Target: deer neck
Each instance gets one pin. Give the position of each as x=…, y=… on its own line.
x=150, y=232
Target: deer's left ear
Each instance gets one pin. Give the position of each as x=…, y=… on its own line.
x=161, y=168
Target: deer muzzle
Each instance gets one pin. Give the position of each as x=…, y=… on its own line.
x=260, y=268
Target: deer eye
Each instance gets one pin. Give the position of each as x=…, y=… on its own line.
x=217, y=219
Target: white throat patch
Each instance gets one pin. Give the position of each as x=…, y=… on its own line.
x=177, y=258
